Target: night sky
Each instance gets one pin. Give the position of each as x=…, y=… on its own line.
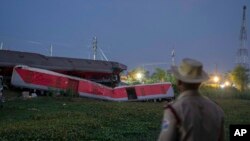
x=132, y=32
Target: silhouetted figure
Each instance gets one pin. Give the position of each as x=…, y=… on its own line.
x=191, y=117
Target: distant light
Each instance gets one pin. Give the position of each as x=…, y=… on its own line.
x=222, y=86
x=216, y=79
x=139, y=76
x=227, y=83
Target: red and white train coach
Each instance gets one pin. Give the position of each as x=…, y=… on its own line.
x=41, y=79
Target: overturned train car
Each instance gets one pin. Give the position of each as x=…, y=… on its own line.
x=103, y=72
x=41, y=79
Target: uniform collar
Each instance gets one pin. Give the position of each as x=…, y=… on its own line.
x=188, y=93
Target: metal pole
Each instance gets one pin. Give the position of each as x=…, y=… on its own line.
x=51, y=50
x=1, y=47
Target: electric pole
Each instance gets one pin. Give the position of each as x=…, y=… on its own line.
x=173, y=57
x=51, y=50
x=1, y=47
x=242, y=53
x=94, y=43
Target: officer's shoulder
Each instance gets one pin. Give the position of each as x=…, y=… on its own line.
x=173, y=104
x=168, y=104
x=171, y=109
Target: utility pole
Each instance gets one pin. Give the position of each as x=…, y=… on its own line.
x=173, y=57
x=1, y=47
x=51, y=50
x=242, y=53
x=98, y=51
x=94, y=43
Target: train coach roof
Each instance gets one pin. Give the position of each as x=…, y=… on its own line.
x=12, y=58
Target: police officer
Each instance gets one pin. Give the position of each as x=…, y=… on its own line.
x=191, y=117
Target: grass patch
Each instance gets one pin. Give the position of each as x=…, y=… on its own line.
x=47, y=118
x=64, y=118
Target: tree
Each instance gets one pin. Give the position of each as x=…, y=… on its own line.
x=240, y=77
x=161, y=75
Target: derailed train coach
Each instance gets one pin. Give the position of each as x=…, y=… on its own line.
x=45, y=80
x=103, y=72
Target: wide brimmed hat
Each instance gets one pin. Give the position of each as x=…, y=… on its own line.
x=190, y=71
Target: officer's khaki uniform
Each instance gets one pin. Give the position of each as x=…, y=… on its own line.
x=192, y=117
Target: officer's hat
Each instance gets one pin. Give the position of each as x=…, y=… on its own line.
x=190, y=71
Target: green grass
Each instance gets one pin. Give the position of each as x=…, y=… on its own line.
x=52, y=118
x=237, y=111
x=47, y=118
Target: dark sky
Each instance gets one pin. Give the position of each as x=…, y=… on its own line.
x=132, y=32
